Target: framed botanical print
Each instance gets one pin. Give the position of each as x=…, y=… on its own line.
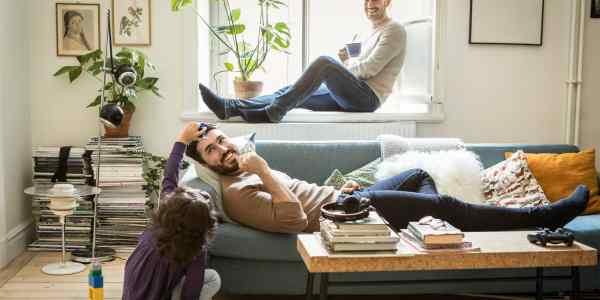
x=77, y=28
x=132, y=24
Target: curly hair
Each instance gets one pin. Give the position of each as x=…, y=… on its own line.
x=183, y=224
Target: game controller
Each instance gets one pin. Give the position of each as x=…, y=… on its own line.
x=547, y=236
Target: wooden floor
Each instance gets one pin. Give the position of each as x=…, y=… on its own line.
x=23, y=279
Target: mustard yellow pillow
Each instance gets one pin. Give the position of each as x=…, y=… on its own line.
x=559, y=174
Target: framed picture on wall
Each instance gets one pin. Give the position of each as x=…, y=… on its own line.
x=132, y=24
x=506, y=22
x=595, y=11
x=77, y=28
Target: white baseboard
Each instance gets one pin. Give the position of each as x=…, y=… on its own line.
x=15, y=242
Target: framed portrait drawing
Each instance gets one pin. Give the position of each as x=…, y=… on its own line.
x=131, y=23
x=506, y=22
x=77, y=28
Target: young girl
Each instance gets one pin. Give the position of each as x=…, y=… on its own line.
x=169, y=262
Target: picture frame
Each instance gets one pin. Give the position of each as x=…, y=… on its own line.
x=506, y=22
x=595, y=9
x=132, y=22
x=77, y=28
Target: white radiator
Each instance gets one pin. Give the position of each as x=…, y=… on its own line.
x=321, y=131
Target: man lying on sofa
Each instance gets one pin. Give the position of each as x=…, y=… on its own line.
x=257, y=196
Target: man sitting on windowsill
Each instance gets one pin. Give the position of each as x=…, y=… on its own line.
x=357, y=85
x=257, y=196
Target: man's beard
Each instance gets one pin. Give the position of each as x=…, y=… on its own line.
x=222, y=168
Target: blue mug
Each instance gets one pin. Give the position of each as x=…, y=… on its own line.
x=353, y=49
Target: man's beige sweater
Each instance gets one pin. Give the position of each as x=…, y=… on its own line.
x=381, y=58
x=246, y=202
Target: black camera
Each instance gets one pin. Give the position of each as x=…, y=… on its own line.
x=125, y=75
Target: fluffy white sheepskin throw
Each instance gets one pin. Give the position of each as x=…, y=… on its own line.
x=456, y=172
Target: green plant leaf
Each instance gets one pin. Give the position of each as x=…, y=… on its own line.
x=96, y=102
x=146, y=83
x=228, y=66
x=235, y=29
x=74, y=74
x=95, y=68
x=176, y=5
x=83, y=59
x=155, y=91
x=283, y=28
x=66, y=69
x=235, y=14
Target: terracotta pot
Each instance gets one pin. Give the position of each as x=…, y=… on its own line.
x=247, y=89
x=121, y=131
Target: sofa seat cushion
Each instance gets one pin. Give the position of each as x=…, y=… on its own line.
x=586, y=229
x=241, y=242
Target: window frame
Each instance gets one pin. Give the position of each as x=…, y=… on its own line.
x=200, y=58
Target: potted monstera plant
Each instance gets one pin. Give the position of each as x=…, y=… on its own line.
x=245, y=58
x=91, y=64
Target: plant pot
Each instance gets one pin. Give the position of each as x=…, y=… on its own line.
x=247, y=89
x=121, y=131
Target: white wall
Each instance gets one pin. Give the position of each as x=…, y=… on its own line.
x=497, y=93
x=590, y=104
x=15, y=130
x=58, y=110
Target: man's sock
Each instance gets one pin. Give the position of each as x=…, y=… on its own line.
x=562, y=212
x=222, y=107
x=258, y=115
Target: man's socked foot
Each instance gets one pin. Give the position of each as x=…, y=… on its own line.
x=222, y=107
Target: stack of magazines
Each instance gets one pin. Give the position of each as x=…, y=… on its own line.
x=47, y=227
x=369, y=234
x=121, y=211
x=430, y=235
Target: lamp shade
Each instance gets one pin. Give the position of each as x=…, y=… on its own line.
x=111, y=115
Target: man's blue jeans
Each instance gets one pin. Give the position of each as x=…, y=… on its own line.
x=412, y=195
x=326, y=85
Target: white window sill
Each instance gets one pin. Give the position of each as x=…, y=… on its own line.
x=304, y=116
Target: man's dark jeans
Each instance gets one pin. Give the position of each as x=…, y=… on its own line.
x=326, y=85
x=412, y=195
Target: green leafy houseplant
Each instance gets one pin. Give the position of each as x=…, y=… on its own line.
x=248, y=57
x=91, y=63
x=154, y=166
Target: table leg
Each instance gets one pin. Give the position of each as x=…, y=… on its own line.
x=539, y=285
x=309, y=285
x=575, y=284
x=324, y=286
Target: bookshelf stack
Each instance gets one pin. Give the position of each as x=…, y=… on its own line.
x=78, y=227
x=121, y=210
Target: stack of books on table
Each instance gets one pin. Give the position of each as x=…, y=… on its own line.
x=369, y=234
x=78, y=228
x=425, y=238
x=121, y=211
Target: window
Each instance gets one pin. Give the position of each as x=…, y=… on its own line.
x=327, y=32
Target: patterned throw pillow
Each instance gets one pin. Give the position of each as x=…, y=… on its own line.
x=365, y=176
x=510, y=183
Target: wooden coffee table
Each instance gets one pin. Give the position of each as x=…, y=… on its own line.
x=499, y=250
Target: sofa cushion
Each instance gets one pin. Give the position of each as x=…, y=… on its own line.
x=586, y=230
x=491, y=154
x=241, y=242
